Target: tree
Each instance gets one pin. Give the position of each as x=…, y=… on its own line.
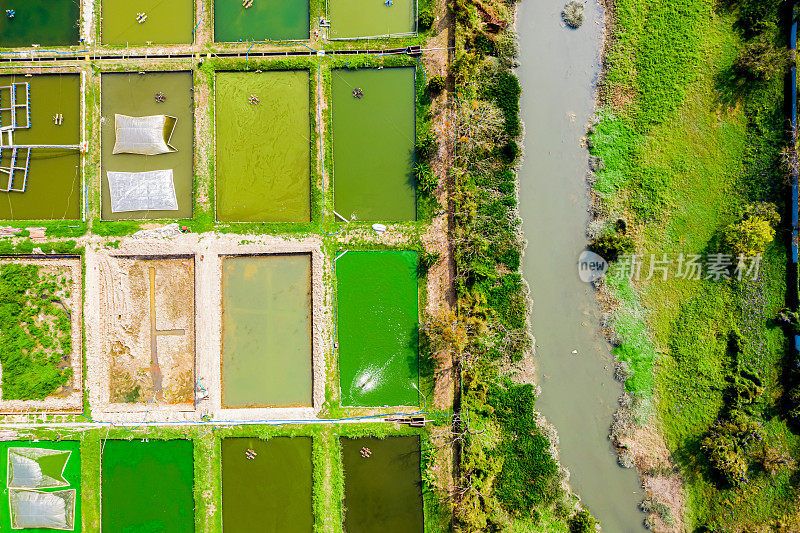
x=731, y=445
x=611, y=245
x=582, y=522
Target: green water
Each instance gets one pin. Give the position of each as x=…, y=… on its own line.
x=373, y=144
x=54, y=178
x=383, y=492
x=369, y=18
x=45, y=22
x=266, y=331
x=263, y=151
x=168, y=22
x=72, y=473
x=133, y=94
x=376, y=306
x=271, y=492
x=147, y=486
x=275, y=20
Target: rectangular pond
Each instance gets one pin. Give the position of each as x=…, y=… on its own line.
x=371, y=18
x=134, y=94
x=166, y=23
x=266, y=331
x=373, y=144
x=61, y=472
x=44, y=22
x=382, y=492
x=274, y=20
x=263, y=148
x=148, y=486
x=376, y=309
x=53, y=188
x=270, y=493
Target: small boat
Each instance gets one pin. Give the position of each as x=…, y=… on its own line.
x=380, y=228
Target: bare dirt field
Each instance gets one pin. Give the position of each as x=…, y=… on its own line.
x=148, y=310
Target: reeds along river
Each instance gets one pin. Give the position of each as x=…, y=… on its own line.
x=558, y=71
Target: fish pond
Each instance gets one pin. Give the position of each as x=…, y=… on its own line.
x=274, y=20
x=147, y=486
x=376, y=309
x=371, y=18
x=266, y=331
x=374, y=132
x=164, y=22
x=266, y=485
x=52, y=190
x=136, y=95
x=44, y=22
x=383, y=491
x=263, y=146
x=57, y=468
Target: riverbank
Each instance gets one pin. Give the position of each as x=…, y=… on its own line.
x=686, y=146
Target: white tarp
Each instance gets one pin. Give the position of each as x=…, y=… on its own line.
x=143, y=135
x=37, y=509
x=25, y=471
x=142, y=191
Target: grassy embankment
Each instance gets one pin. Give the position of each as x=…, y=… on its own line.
x=507, y=476
x=686, y=142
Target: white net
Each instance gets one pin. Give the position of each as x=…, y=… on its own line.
x=36, y=468
x=142, y=191
x=143, y=135
x=36, y=509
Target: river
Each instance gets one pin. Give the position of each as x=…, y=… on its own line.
x=558, y=70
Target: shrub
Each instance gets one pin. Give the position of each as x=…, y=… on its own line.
x=582, y=522
x=505, y=91
x=573, y=14
x=731, y=445
x=760, y=60
x=611, y=245
x=425, y=178
x=426, y=18
x=436, y=84
x=748, y=237
x=426, y=261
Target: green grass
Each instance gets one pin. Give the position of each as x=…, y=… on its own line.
x=684, y=148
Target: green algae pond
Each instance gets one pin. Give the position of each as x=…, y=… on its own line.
x=274, y=20
x=133, y=94
x=266, y=331
x=376, y=309
x=270, y=492
x=382, y=492
x=373, y=144
x=53, y=189
x=371, y=18
x=147, y=486
x=51, y=466
x=263, y=148
x=166, y=23
x=44, y=22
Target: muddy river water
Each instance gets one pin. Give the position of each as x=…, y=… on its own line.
x=558, y=72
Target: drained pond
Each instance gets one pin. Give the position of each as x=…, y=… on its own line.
x=263, y=150
x=52, y=189
x=376, y=310
x=153, y=94
x=558, y=71
x=382, y=485
x=373, y=143
x=266, y=485
x=43, y=22
x=266, y=331
x=147, y=486
x=274, y=20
